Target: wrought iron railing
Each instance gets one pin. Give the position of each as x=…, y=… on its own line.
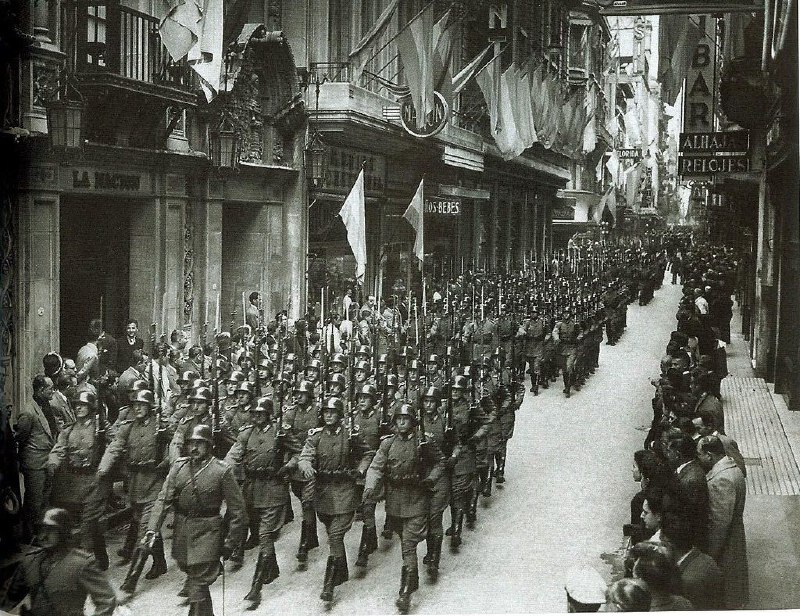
x=107, y=37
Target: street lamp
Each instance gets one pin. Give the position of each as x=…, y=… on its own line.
x=223, y=145
x=65, y=117
x=317, y=160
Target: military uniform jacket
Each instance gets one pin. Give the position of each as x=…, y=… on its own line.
x=435, y=426
x=401, y=465
x=470, y=426
x=184, y=431
x=140, y=443
x=237, y=418
x=59, y=581
x=301, y=420
x=566, y=334
x=74, y=457
x=196, y=494
x=261, y=453
x=369, y=427
x=337, y=459
x=534, y=332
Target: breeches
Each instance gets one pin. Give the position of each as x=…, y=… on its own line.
x=435, y=527
x=140, y=514
x=304, y=490
x=271, y=519
x=198, y=578
x=566, y=361
x=336, y=525
x=460, y=490
x=412, y=531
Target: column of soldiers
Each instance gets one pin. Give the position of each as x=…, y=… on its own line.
x=415, y=408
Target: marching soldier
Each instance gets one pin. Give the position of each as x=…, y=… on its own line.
x=74, y=460
x=409, y=466
x=58, y=577
x=436, y=425
x=237, y=417
x=565, y=334
x=300, y=418
x=140, y=441
x=369, y=425
x=260, y=449
x=195, y=488
x=334, y=456
x=200, y=413
x=486, y=414
x=532, y=331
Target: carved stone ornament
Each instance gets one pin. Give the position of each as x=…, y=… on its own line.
x=45, y=82
x=188, y=264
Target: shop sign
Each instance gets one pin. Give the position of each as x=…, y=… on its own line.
x=711, y=143
x=695, y=7
x=629, y=153
x=83, y=179
x=435, y=122
x=443, y=206
x=698, y=110
x=713, y=165
x=344, y=165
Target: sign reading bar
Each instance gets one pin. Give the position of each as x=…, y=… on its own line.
x=711, y=165
x=701, y=86
x=710, y=143
x=445, y=206
x=629, y=154
x=694, y=7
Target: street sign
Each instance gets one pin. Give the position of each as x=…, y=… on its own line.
x=629, y=153
x=444, y=206
x=713, y=165
x=691, y=7
x=711, y=143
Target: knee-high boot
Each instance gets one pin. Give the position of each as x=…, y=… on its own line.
x=159, y=567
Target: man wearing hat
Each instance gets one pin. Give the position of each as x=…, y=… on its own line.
x=335, y=457
x=196, y=487
x=368, y=423
x=35, y=432
x=200, y=413
x=239, y=416
x=408, y=465
x=58, y=577
x=75, y=457
x=565, y=333
x=532, y=332
x=141, y=442
x=267, y=455
x=586, y=590
x=300, y=418
x=436, y=427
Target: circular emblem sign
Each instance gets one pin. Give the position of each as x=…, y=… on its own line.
x=435, y=121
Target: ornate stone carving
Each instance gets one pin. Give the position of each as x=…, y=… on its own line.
x=45, y=83
x=7, y=282
x=188, y=264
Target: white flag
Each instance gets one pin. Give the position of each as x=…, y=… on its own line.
x=415, y=215
x=354, y=219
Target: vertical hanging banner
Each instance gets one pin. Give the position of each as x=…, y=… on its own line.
x=700, y=87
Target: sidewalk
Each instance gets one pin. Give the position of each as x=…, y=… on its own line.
x=769, y=438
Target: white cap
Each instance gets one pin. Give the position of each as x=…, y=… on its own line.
x=585, y=585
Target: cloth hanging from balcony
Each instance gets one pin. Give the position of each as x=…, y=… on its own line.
x=354, y=218
x=361, y=53
x=677, y=37
x=415, y=215
x=468, y=72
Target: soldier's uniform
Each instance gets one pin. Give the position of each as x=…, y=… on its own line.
x=266, y=458
x=409, y=471
x=186, y=425
x=486, y=414
x=565, y=333
x=336, y=457
x=74, y=460
x=141, y=443
x=368, y=423
x=533, y=332
x=196, y=492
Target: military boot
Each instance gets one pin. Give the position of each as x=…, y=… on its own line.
x=328, y=584
x=387, y=531
x=567, y=384
x=487, y=482
x=126, y=551
x=99, y=546
x=369, y=543
x=237, y=557
x=302, y=550
x=253, y=598
x=313, y=540
x=458, y=522
x=472, y=511
x=500, y=472
x=534, y=384
x=252, y=539
x=342, y=573
x=409, y=582
x=128, y=587
x=434, y=555
x=159, y=566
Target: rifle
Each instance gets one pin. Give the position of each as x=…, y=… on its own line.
x=279, y=433
x=448, y=429
x=203, y=351
x=385, y=421
x=351, y=384
x=215, y=391
x=138, y=562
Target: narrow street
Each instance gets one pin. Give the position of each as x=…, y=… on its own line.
x=564, y=502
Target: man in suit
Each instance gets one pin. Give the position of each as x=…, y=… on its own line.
x=707, y=402
x=692, y=490
x=705, y=426
x=726, y=538
x=701, y=577
x=131, y=344
x=252, y=318
x=35, y=432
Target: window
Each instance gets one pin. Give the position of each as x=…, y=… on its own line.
x=96, y=35
x=578, y=46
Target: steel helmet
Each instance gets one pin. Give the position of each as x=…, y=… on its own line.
x=405, y=410
x=315, y=364
x=201, y=432
x=382, y=358
x=138, y=385
x=246, y=387
x=86, y=397
x=461, y=382
x=187, y=376
x=264, y=405
x=289, y=357
x=58, y=518
x=432, y=392
x=338, y=358
x=237, y=376
x=368, y=390
x=304, y=387
x=265, y=364
x=413, y=364
x=198, y=382
x=334, y=404
x=201, y=394
x=363, y=350
x=363, y=365
x=143, y=396
x=391, y=380
x=337, y=379
x=434, y=359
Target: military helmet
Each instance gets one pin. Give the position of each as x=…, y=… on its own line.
x=138, y=385
x=391, y=380
x=405, y=410
x=187, y=376
x=368, y=390
x=338, y=358
x=246, y=387
x=434, y=359
x=144, y=396
x=337, y=379
x=414, y=365
x=497, y=352
x=289, y=357
x=201, y=394
x=363, y=365
x=485, y=362
x=237, y=376
x=334, y=404
x=467, y=371
x=201, y=432
x=363, y=350
x=265, y=363
x=432, y=392
x=402, y=353
x=58, y=518
x=382, y=358
x=315, y=364
x=264, y=405
x=461, y=382
x=304, y=387
x=198, y=382
x=86, y=397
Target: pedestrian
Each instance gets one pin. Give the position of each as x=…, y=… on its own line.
x=57, y=576
x=654, y=564
x=726, y=536
x=627, y=595
x=131, y=343
x=196, y=487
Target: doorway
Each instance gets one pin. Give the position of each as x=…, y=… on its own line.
x=94, y=267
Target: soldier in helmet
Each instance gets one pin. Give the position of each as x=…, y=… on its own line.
x=334, y=457
x=313, y=374
x=73, y=461
x=141, y=443
x=267, y=454
x=361, y=373
x=485, y=393
x=180, y=398
x=337, y=384
x=196, y=488
x=299, y=418
x=532, y=332
x=200, y=413
x=229, y=403
x=368, y=422
x=436, y=425
x=57, y=577
x=434, y=370
x=512, y=396
x=408, y=464
x=337, y=364
x=565, y=333
x=238, y=416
